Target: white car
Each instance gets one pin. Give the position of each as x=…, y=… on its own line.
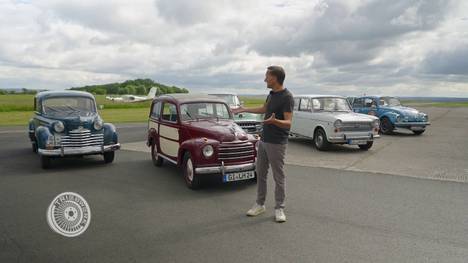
x=329, y=119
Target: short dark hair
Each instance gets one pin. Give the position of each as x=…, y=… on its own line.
x=278, y=72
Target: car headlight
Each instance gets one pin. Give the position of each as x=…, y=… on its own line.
x=98, y=124
x=338, y=124
x=208, y=151
x=424, y=117
x=398, y=118
x=58, y=126
x=376, y=123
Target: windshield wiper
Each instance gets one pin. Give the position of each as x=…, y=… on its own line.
x=73, y=109
x=188, y=114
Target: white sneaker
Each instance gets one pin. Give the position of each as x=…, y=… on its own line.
x=256, y=210
x=279, y=215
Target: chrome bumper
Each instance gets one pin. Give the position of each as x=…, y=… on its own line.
x=79, y=150
x=411, y=124
x=343, y=138
x=225, y=169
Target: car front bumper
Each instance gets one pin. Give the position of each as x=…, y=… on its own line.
x=344, y=137
x=223, y=169
x=409, y=125
x=87, y=150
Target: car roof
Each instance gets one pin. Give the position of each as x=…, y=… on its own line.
x=317, y=96
x=192, y=97
x=377, y=96
x=63, y=93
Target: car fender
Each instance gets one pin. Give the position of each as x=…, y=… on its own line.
x=391, y=115
x=42, y=134
x=110, y=134
x=320, y=125
x=193, y=146
x=152, y=136
x=31, y=130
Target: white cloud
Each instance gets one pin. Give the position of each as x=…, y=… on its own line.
x=405, y=47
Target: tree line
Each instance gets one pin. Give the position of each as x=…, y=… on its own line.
x=136, y=87
x=18, y=91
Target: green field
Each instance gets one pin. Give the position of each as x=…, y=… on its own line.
x=23, y=102
x=18, y=109
x=440, y=104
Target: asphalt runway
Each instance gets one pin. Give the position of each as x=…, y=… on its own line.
x=141, y=213
x=441, y=153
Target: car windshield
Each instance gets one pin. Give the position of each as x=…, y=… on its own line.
x=330, y=104
x=204, y=110
x=64, y=106
x=230, y=99
x=389, y=101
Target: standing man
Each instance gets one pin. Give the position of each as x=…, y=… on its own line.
x=272, y=147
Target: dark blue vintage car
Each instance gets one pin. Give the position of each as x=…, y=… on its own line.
x=67, y=123
x=392, y=114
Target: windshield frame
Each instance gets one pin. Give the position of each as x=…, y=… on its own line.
x=93, y=110
x=350, y=108
x=204, y=102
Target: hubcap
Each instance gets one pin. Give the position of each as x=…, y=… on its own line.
x=385, y=126
x=155, y=151
x=319, y=140
x=189, y=170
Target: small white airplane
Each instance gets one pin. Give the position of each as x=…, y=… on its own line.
x=134, y=98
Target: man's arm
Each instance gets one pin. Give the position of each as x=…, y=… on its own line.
x=286, y=123
x=259, y=110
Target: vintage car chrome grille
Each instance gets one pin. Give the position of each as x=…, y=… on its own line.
x=82, y=138
x=356, y=126
x=249, y=126
x=234, y=151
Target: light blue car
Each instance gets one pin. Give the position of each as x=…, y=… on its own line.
x=392, y=114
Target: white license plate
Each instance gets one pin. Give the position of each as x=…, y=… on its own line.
x=417, y=128
x=357, y=142
x=230, y=177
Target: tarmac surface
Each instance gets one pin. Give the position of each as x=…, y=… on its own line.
x=344, y=205
x=441, y=153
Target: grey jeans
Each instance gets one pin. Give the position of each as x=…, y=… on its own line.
x=270, y=154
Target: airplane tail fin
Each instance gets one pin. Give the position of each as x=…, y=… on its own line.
x=152, y=92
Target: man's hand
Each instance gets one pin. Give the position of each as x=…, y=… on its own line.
x=238, y=110
x=286, y=123
x=271, y=120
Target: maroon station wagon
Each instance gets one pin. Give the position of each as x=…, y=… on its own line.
x=198, y=133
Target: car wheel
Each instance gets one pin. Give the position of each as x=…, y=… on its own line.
x=366, y=146
x=157, y=160
x=419, y=132
x=386, y=127
x=45, y=162
x=109, y=157
x=320, y=140
x=191, y=179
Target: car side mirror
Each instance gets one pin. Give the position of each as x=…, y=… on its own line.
x=242, y=103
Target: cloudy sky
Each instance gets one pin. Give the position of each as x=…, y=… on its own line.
x=348, y=47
